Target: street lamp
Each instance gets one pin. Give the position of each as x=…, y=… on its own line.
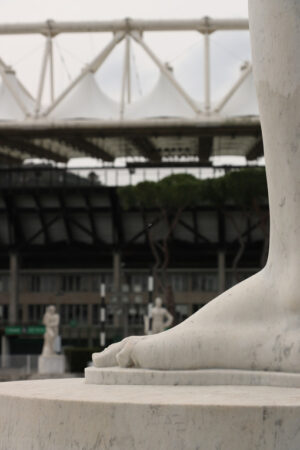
x=150, y=299
x=102, y=316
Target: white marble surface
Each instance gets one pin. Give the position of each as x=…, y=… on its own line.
x=69, y=414
x=209, y=377
x=54, y=364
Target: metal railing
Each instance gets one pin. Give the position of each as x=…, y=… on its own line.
x=19, y=364
x=39, y=176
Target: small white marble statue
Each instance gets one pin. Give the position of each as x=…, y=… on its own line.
x=256, y=324
x=51, y=322
x=159, y=319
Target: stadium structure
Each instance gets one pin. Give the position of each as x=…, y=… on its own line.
x=63, y=233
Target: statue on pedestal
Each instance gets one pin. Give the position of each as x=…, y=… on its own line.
x=256, y=324
x=159, y=318
x=51, y=321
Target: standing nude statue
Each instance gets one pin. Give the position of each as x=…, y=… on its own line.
x=161, y=318
x=51, y=322
x=256, y=324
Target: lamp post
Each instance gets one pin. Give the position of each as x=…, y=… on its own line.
x=102, y=316
x=125, y=308
x=150, y=299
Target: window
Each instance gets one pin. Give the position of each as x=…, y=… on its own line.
x=206, y=282
x=36, y=313
x=139, y=282
x=3, y=313
x=135, y=316
x=98, y=279
x=96, y=315
x=181, y=312
x=179, y=282
x=71, y=283
x=35, y=285
x=74, y=315
x=20, y=313
x=231, y=279
x=48, y=283
x=4, y=283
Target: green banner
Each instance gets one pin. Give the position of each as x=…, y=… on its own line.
x=13, y=330
x=38, y=329
x=16, y=330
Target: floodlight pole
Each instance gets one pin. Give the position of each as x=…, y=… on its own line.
x=126, y=81
x=207, y=104
x=43, y=75
x=51, y=68
x=103, y=315
x=128, y=55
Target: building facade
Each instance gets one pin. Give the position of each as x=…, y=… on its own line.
x=60, y=240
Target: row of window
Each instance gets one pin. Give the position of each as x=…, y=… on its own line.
x=76, y=315
x=136, y=283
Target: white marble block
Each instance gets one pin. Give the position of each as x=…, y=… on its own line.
x=54, y=364
x=209, y=377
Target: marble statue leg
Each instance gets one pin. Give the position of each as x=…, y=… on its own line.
x=256, y=324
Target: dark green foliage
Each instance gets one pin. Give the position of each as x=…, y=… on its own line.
x=169, y=197
x=245, y=186
x=170, y=193
x=215, y=191
x=180, y=191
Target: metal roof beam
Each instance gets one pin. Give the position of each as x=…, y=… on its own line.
x=31, y=149
x=146, y=148
x=42, y=218
x=106, y=128
x=39, y=232
x=65, y=217
x=15, y=231
x=91, y=217
x=205, y=144
x=256, y=151
x=89, y=148
x=6, y=159
x=117, y=219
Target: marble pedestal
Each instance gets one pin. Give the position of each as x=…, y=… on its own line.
x=69, y=414
x=54, y=364
x=208, y=377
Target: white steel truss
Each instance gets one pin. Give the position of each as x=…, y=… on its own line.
x=43, y=121
x=128, y=29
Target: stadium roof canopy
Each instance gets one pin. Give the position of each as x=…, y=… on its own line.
x=83, y=121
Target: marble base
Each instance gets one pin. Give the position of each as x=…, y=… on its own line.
x=119, y=376
x=70, y=414
x=51, y=364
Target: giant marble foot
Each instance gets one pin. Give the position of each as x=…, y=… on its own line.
x=251, y=326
